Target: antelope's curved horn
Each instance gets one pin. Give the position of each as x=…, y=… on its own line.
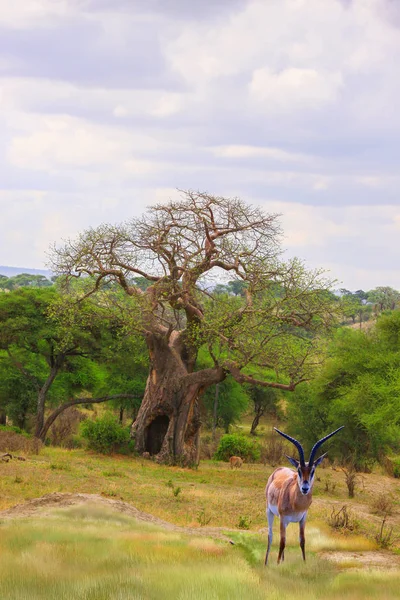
x=296, y=443
x=319, y=443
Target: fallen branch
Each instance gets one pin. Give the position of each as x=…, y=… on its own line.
x=6, y=457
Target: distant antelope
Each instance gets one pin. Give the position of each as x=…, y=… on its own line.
x=236, y=461
x=289, y=493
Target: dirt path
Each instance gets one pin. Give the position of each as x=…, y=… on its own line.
x=375, y=559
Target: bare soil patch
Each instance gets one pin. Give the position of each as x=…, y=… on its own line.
x=377, y=559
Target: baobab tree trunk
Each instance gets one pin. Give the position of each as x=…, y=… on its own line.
x=168, y=422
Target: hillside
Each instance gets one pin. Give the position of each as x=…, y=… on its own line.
x=12, y=271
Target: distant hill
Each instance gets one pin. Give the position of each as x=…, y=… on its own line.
x=11, y=271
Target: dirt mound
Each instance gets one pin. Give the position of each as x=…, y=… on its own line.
x=43, y=505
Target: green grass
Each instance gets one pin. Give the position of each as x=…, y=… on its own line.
x=88, y=553
x=92, y=554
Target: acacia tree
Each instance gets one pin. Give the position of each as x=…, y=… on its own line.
x=265, y=401
x=181, y=248
x=46, y=359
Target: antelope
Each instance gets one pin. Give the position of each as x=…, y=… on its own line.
x=289, y=493
x=236, y=462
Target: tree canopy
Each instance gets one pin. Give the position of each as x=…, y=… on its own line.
x=180, y=247
x=50, y=352
x=183, y=248
x=359, y=385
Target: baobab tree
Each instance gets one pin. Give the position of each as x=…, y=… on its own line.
x=183, y=248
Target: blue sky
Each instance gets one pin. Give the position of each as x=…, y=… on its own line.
x=107, y=106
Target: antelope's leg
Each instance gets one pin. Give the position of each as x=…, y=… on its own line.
x=281, y=554
x=270, y=517
x=302, y=524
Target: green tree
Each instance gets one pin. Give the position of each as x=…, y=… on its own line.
x=24, y=280
x=359, y=386
x=48, y=358
x=179, y=247
x=265, y=401
x=353, y=306
x=384, y=298
x=350, y=304
x=233, y=401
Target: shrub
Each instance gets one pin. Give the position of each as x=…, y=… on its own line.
x=105, y=435
x=202, y=518
x=352, y=478
x=396, y=467
x=342, y=520
x=11, y=441
x=208, y=446
x=237, y=445
x=14, y=429
x=384, y=538
x=273, y=451
x=244, y=522
x=65, y=426
x=383, y=504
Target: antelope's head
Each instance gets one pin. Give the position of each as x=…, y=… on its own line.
x=306, y=470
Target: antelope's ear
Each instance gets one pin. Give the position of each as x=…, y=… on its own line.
x=319, y=460
x=294, y=462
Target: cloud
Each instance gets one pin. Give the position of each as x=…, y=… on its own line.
x=294, y=88
x=109, y=105
x=336, y=239
x=57, y=142
x=258, y=152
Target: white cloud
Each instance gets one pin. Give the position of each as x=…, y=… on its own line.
x=167, y=105
x=308, y=226
x=120, y=111
x=57, y=142
x=335, y=238
x=294, y=88
x=258, y=152
x=294, y=99
x=28, y=13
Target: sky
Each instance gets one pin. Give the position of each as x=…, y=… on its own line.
x=109, y=106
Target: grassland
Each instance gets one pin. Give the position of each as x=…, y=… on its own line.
x=88, y=553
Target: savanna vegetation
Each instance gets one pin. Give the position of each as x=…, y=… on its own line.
x=134, y=352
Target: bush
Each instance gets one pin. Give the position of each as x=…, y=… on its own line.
x=105, y=435
x=382, y=504
x=396, y=467
x=13, y=429
x=237, y=445
x=65, y=427
x=209, y=446
x=11, y=441
x=342, y=520
x=273, y=451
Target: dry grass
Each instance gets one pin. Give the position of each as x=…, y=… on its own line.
x=224, y=494
x=89, y=553
x=86, y=555
x=15, y=442
x=66, y=425
x=383, y=504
